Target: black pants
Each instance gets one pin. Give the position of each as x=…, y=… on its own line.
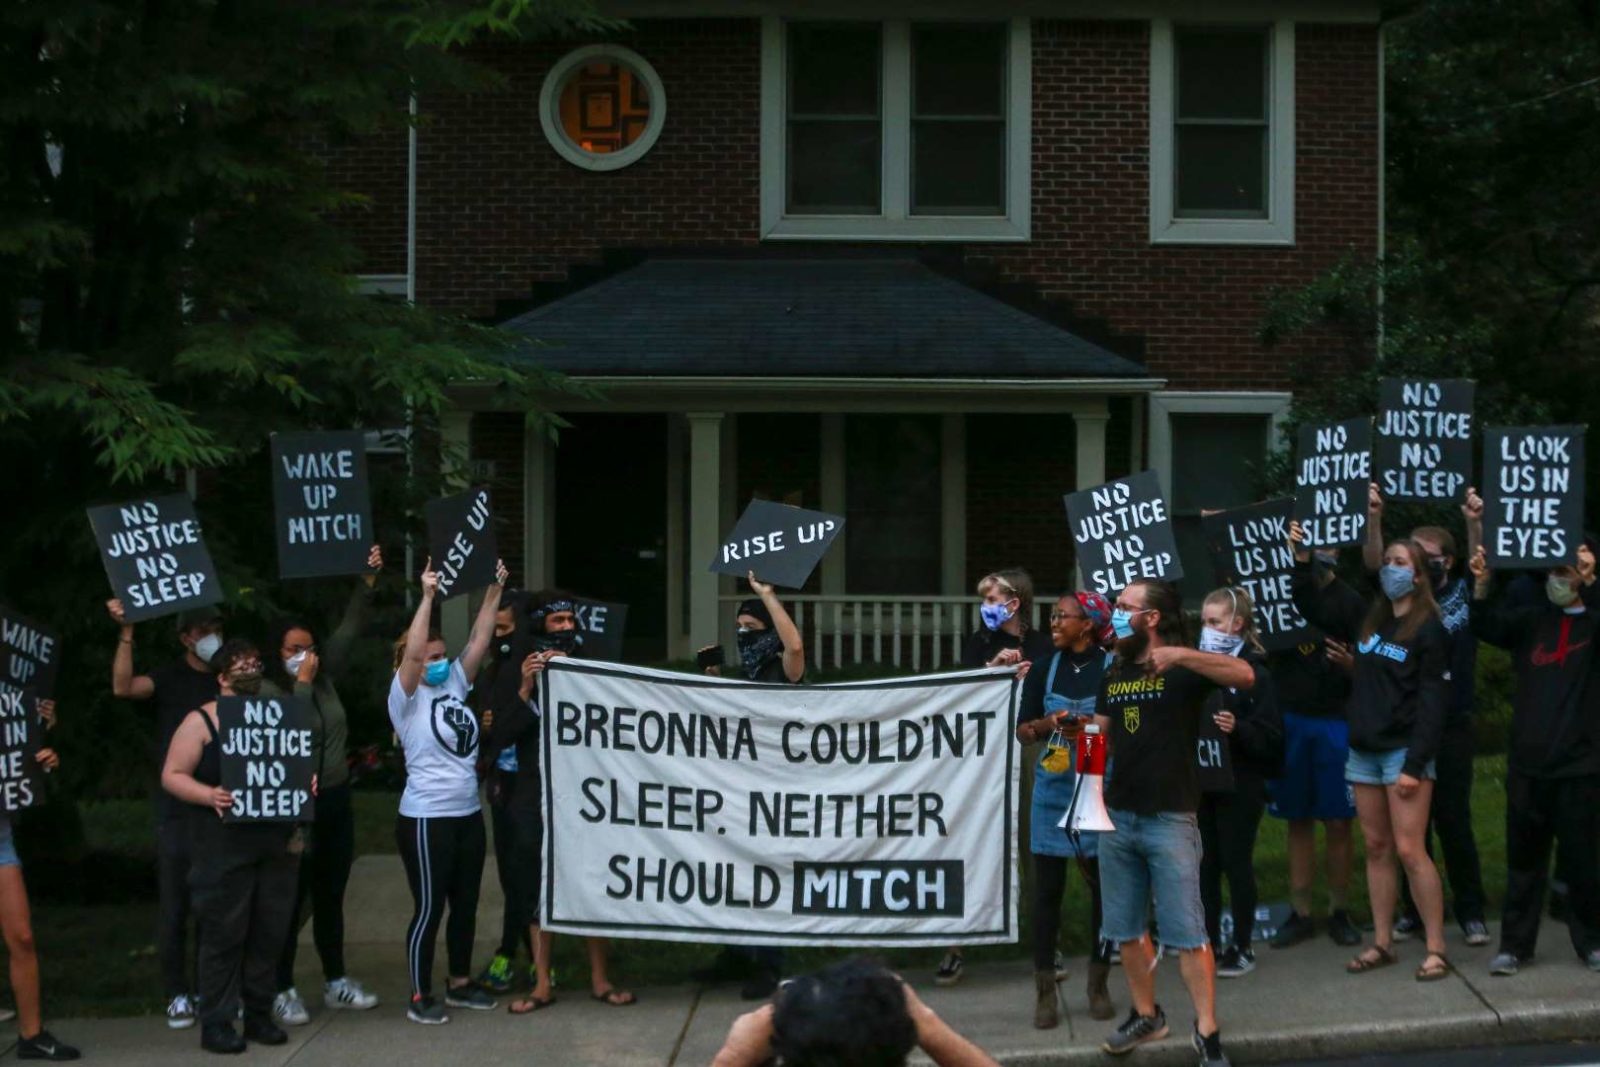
x=324, y=874
x=1540, y=813
x=444, y=866
x=1451, y=819
x=173, y=850
x=519, y=857
x=243, y=880
x=1228, y=825
x=1049, y=890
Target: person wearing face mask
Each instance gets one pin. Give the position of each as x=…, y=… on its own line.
x=306, y=670
x=1451, y=813
x=1252, y=729
x=439, y=827
x=1553, y=762
x=1399, y=688
x=244, y=874
x=175, y=689
x=1313, y=687
x=1150, y=704
x=1057, y=700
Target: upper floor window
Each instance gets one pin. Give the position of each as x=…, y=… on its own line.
x=602, y=107
x=896, y=129
x=1222, y=133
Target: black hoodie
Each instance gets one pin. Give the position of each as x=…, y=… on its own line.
x=1555, y=720
x=1256, y=744
x=1400, y=689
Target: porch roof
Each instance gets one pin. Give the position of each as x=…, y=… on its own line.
x=801, y=318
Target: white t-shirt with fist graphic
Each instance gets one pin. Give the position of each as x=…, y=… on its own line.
x=440, y=736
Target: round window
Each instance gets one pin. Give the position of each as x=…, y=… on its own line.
x=602, y=107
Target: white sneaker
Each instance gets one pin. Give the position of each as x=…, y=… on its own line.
x=347, y=994
x=289, y=1009
x=180, y=1013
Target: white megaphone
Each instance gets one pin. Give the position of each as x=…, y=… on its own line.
x=1087, y=813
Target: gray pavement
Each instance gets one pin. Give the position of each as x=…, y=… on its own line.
x=1299, y=1004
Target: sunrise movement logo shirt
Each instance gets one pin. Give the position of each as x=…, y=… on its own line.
x=1155, y=725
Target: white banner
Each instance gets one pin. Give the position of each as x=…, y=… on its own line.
x=687, y=808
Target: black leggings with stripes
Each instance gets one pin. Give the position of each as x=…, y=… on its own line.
x=444, y=865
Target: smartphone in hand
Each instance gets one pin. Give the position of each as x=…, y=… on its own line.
x=709, y=657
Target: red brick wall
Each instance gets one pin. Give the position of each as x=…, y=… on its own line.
x=1017, y=469
x=374, y=168
x=497, y=436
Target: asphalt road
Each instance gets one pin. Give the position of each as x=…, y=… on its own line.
x=1560, y=1055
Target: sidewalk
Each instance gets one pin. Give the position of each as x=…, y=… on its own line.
x=1298, y=1004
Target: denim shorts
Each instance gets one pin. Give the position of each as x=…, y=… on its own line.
x=8, y=847
x=1152, y=856
x=1379, y=768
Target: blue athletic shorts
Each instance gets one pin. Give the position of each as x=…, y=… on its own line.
x=1313, y=785
x=8, y=847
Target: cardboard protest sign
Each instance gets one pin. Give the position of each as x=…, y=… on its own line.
x=20, y=731
x=30, y=655
x=1423, y=447
x=322, y=503
x=461, y=542
x=603, y=627
x=1533, y=495
x=1332, y=475
x=1122, y=530
x=268, y=758
x=783, y=544
x=1250, y=550
x=685, y=808
x=1215, y=758
x=155, y=556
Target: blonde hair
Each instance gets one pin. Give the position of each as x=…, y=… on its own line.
x=1243, y=608
x=400, y=645
x=1017, y=582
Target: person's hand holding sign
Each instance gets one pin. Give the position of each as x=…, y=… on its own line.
x=1225, y=721
x=47, y=713
x=1339, y=655
x=1297, y=542
x=221, y=800
x=1479, y=566
x=1006, y=657
x=47, y=759
x=430, y=580
x=1585, y=565
x=374, y=565
x=531, y=666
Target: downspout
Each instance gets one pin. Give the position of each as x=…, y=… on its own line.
x=411, y=299
x=1383, y=157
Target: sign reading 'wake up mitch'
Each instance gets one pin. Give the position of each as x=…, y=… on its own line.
x=685, y=808
x=324, y=511
x=154, y=556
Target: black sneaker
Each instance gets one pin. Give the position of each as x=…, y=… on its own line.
x=1504, y=965
x=1476, y=931
x=1210, y=1049
x=1136, y=1031
x=949, y=972
x=470, y=997
x=1296, y=928
x=265, y=1032
x=44, y=1046
x=426, y=1011
x=1343, y=930
x=1406, y=927
x=221, y=1038
x=760, y=985
x=1235, y=962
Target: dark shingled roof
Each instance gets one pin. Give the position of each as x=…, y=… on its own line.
x=849, y=318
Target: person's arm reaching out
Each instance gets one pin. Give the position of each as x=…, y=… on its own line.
x=416, y=653
x=483, y=625
x=1372, y=550
x=794, y=649
x=124, y=683
x=1230, y=672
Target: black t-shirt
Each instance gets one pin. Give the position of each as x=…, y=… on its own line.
x=1155, y=726
x=1307, y=683
x=983, y=645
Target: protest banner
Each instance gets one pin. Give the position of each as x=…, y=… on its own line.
x=31, y=655
x=783, y=544
x=603, y=627
x=1533, y=495
x=20, y=732
x=1423, y=446
x=686, y=808
x=1333, y=471
x=322, y=503
x=268, y=758
x=1122, y=530
x=155, y=556
x=461, y=541
x=1250, y=550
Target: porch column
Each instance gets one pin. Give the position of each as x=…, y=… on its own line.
x=832, y=477
x=953, y=505
x=705, y=524
x=455, y=433
x=1090, y=424
x=677, y=638
x=538, y=509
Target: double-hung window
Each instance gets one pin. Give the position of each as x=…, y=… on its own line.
x=894, y=129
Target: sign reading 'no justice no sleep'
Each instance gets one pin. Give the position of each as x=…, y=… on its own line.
x=1332, y=477
x=1123, y=531
x=154, y=556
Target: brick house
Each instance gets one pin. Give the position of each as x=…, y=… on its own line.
x=928, y=265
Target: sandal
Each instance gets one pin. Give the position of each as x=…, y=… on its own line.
x=1371, y=958
x=1426, y=973
x=616, y=998
x=529, y=1005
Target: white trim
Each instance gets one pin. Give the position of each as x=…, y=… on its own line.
x=1278, y=227
x=384, y=285
x=1163, y=406
x=1366, y=12
x=550, y=103
x=896, y=223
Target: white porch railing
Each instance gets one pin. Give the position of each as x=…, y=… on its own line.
x=915, y=632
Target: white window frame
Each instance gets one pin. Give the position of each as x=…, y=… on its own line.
x=896, y=221
x=1278, y=227
x=1164, y=405
x=550, y=104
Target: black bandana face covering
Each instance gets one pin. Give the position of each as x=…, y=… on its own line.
x=568, y=641
x=757, y=648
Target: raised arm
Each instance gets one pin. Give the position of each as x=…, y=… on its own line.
x=415, y=657
x=483, y=625
x=183, y=756
x=1321, y=605
x=794, y=649
x=1372, y=551
x=124, y=683
x=336, y=651
x=1472, y=513
x=1492, y=621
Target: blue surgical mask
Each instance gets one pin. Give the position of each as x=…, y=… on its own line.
x=437, y=672
x=1396, y=581
x=995, y=615
x=1122, y=623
